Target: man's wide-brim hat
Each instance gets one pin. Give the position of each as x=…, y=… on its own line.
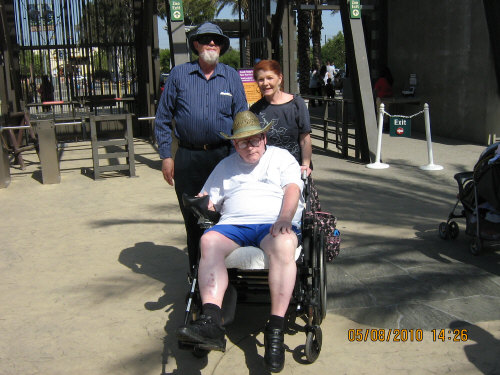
x=209, y=28
x=246, y=124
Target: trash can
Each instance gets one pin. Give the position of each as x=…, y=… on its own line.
x=48, y=151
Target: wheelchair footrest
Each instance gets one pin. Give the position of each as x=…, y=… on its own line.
x=186, y=345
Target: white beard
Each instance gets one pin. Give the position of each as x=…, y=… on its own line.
x=210, y=57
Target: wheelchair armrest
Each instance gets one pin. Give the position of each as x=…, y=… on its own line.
x=199, y=206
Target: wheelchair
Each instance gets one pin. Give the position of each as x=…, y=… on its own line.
x=247, y=271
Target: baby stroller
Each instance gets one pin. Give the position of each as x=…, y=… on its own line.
x=479, y=193
x=248, y=275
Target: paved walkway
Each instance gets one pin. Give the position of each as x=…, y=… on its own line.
x=93, y=273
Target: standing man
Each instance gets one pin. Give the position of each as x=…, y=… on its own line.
x=200, y=100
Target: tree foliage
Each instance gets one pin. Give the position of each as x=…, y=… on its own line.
x=231, y=58
x=165, y=60
x=35, y=60
x=235, y=7
x=334, y=50
x=107, y=21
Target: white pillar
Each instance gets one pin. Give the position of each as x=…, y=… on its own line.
x=378, y=164
x=431, y=166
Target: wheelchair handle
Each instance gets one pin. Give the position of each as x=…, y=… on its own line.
x=199, y=206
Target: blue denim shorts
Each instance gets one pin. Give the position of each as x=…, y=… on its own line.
x=247, y=235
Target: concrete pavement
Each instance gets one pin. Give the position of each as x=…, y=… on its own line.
x=93, y=273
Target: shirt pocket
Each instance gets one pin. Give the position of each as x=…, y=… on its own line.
x=225, y=103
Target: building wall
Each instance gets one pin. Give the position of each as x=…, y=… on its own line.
x=446, y=44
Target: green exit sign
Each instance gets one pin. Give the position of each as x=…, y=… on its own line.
x=176, y=10
x=400, y=127
x=355, y=8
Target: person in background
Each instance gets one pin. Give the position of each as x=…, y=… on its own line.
x=291, y=127
x=46, y=91
x=323, y=76
x=314, y=85
x=383, y=85
x=383, y=89
x=202, y=97
x=330, y=89
x=330, y=68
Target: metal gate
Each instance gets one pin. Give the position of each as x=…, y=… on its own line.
x=85, y=48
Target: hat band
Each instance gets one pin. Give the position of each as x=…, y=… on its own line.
x=247, y=129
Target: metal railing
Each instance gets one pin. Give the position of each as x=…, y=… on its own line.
x=334, y=124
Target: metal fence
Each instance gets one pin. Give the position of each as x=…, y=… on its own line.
x=334, y=124
x=84, y=47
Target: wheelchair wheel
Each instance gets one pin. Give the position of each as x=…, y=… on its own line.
x=319, y=278
x=314, y=341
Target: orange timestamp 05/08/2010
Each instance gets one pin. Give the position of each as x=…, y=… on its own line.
x=405, y=335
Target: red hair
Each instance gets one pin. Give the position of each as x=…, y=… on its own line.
x=266, y=65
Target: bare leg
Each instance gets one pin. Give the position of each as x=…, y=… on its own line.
x=212, y=271
x=282, y=269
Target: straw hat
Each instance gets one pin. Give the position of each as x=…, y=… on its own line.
x=245, y=125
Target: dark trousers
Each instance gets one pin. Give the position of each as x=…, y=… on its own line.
x=318, y=92
x=191, y=170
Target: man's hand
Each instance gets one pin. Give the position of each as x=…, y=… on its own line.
x=281, y=226
x=167, y=168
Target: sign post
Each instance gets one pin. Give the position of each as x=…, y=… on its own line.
x=355, y=8
x=176, y=10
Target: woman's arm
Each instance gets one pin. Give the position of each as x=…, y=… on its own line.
x=306, y=150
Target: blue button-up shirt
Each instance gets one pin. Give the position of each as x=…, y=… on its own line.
x=201, y=108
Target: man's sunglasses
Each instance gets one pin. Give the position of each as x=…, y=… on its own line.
x=253, y=141
x=206, y=39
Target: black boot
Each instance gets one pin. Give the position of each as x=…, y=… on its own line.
x=203, y=332
x=274, y=344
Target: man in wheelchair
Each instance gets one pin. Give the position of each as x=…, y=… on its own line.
x=258, y=192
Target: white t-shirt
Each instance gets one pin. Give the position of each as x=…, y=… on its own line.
x=331, y=71
x=247, y=193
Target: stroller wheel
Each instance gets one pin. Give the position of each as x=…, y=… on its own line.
x=476, y=246
x=453, y=230
x=443, y=231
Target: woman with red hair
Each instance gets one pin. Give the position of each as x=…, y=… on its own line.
x=291, y=127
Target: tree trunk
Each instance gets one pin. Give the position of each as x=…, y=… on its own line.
x=304, y=65
x=316, y=25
